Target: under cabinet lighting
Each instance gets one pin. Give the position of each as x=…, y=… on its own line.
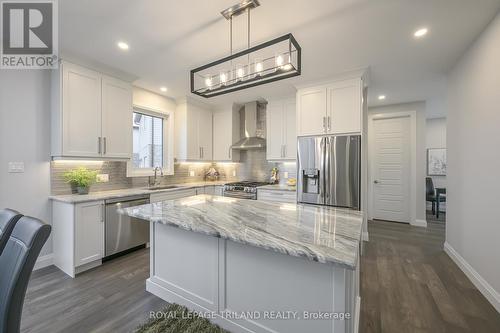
x=164, y=89
x=381, y=97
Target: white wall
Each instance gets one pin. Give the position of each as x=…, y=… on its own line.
x=473, y=139
x=420, y=166
x=436, y=138
x=25, y=137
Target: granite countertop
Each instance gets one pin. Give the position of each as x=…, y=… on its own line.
x=127, y=192
x=278, y=187
x=318, y=233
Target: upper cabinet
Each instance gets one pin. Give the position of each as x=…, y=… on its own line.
x=281, y=130
x=116, y=118
x=193, y=131
x=226, y=128
x=334, y=108
x=91, y=114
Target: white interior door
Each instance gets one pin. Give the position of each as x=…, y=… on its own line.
x=391, y=168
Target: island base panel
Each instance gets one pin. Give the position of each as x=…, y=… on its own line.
x=274, y=290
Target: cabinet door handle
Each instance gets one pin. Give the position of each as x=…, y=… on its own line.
x=105, y=145
x=329, y=123
x=284, y=150
x=99, y=145
x=202, y=152
x=229, y=153
x=324, y=124
x=199, y=152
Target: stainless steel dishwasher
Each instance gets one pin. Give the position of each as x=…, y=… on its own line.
x=124, y=233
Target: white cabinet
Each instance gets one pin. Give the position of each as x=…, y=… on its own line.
x=281, y=130
x=78, y=235
x=80, y=115
x=213, y=190
x=276, y=196
x=89, y=232
x=344, y=107
x=193, y=131
x=334, y=108
x=311, y=111
x=171, y=195
x=90, y=114
x=116, y=118
x=226, y=132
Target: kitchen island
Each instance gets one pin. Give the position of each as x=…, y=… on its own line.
x=253, y=266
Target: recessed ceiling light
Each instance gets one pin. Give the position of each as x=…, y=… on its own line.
x=421, y=32
x=123, y=45
x=381, y=97
x=164, y=89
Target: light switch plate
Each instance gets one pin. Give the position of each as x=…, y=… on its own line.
x=102, y=178
x=285, y=174
x=234, y=173
x=16, y=167
x=191, y=173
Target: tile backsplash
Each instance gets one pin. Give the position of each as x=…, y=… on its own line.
x=252, y=166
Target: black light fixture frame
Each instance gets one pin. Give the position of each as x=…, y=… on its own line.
x=263, y=79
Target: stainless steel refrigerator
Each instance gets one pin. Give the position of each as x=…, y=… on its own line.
x=329, y=170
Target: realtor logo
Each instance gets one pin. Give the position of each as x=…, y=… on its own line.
x=29, y=34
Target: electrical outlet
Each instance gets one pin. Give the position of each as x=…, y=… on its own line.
x=191, y=173
x=285, y=174
x=102, y=178
x=234, y=173
x=16, y=167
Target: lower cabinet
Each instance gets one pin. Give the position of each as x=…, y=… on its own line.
x=276, y=196
x=177, y=194
x=89, y=232
x=213, y=190
x=78, y=235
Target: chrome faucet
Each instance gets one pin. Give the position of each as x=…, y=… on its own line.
x=155, y=179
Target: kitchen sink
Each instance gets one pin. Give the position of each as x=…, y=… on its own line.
x=166, y=187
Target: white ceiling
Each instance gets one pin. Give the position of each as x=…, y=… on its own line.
x=167, y=38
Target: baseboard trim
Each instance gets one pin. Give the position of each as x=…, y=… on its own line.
x=484, y=287
x=44, y=261
x=365, y=236
x=419, y=223
x=357, y=313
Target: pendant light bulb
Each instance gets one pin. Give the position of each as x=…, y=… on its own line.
x=223, y=77
x=258, y=67
x=240, y=72
x=279, y=61
x=208, y=81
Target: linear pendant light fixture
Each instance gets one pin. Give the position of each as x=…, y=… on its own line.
x=274, y=60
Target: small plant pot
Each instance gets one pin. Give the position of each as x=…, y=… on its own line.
x=74, y=189
x=82, y=189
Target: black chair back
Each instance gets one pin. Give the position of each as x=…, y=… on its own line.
x=429, y=187
x=8, y=219
x=16, y=264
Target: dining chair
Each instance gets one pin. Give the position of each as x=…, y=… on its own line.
x=8, y=219
x=430, y=195
x=16, y=264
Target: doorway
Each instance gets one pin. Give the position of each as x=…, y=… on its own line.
x=392, y=151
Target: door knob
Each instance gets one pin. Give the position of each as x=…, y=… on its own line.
x=376, y=181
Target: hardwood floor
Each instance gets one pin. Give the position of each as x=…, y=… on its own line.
x=109, y=298
x=408, y=284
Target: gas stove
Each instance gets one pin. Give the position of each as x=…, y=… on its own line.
x=244, y=190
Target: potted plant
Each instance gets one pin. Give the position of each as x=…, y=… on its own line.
x=81, y=179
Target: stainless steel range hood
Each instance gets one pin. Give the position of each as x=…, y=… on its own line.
x=249, y=139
